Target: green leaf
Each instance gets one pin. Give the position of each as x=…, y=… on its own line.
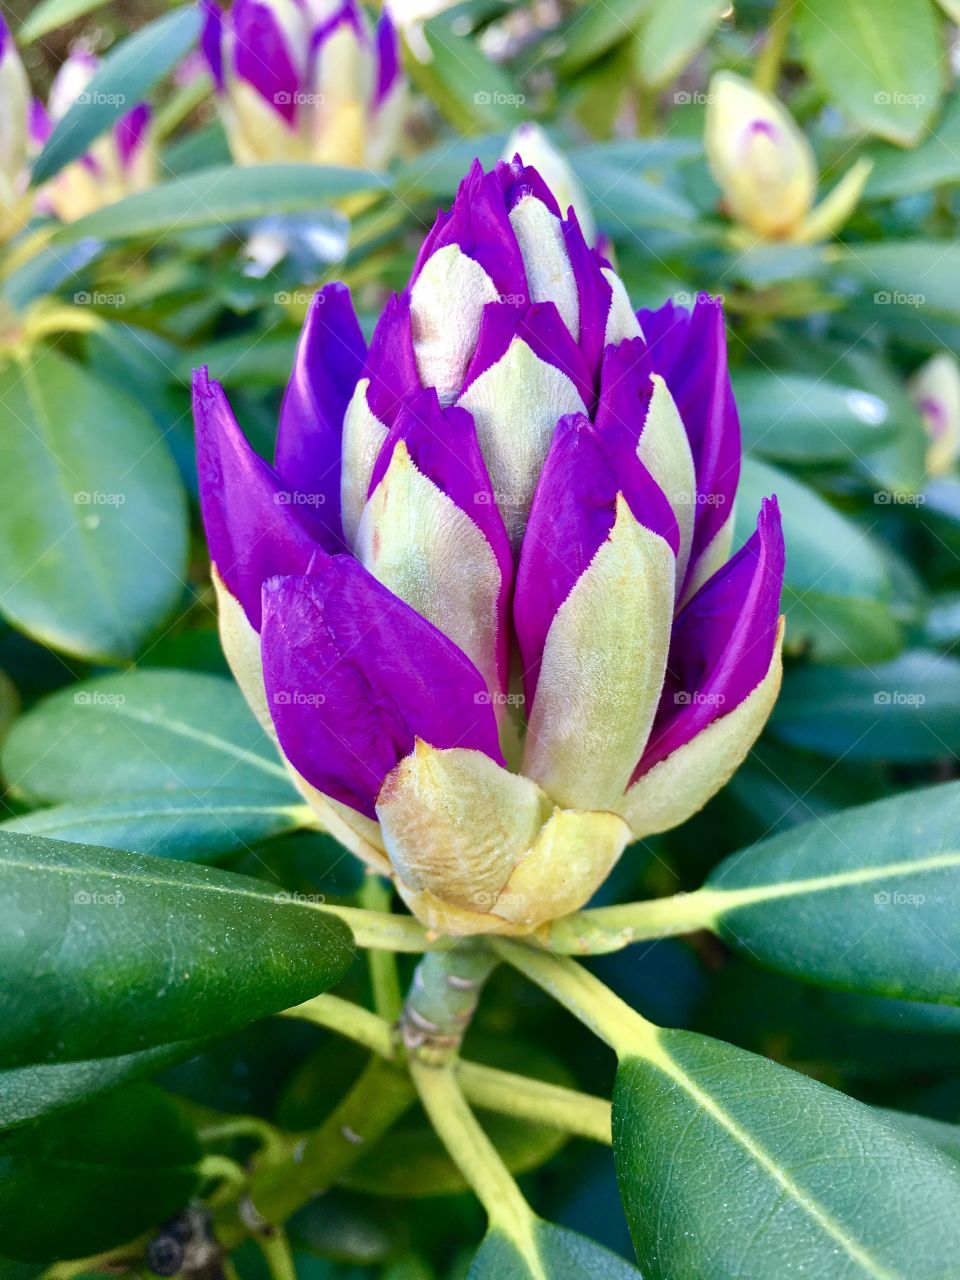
x=126, y=76
x=105, y=948
x=30, y=1093
x=672, y=35
x=936, y=1133
x=178, y=825
x=97, y=1177
x=93, y=522
x=863, y=900
x=562, y=1255
x=592, y=30
x=622, y=197
x=837, y=591
x=144, y=731
x=796, y=417
x=473, y=92
x=879, y=61
x=905, y=710
x=732, y=1165
x=221, y=197
x=936, y=161
x=51, y=14
x=909, y=274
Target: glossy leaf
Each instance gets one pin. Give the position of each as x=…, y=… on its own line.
x=671, y=36
x=144, y=731
x=103, y=948
x=170, y=825
x=561, y=1255
x=837, y=592
x=909, y=275
x=93, y=525
x=863, y=900
x=96, y=1177
x=879, y=61
x=898, y=172
x=126, y=76
x=732, y=1165
x=50, y=14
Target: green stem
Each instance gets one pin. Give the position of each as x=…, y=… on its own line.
x=612, y=928
x=505, y=1092
x=385, y=931
x=443, y=997
x=275, y=1248
x=476, y=1157
x=376, y=895
x=607, y=1016
x=766, y=74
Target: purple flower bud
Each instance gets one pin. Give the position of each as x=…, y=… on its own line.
x=500, y=624
x=305, y=80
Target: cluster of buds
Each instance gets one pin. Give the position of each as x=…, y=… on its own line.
x=766, y=169
x=117, y=164
x=14, y=116
x=305, y=81
x=935, y=390
x=484, y=595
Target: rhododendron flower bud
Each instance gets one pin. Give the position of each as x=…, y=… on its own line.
x=766, y=168
x=935, y=389
x=117, y=165
x=305, y=81
x=14, y=110
x=484, y=594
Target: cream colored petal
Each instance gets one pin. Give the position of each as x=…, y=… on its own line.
x=834, y=210
x=15, y=97
x=256, y=133
x=571, y=857
x=550, y=274
x=417, y=541
x=935, y=391
x=681, y=784
x=714, y=555
x=602, y=670
x=455, y=824
x=516, y=405
x=533, y=146
x=622, y=320
x=363, y=437
x=664, y=449
x=446, y=304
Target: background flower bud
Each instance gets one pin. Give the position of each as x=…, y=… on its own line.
x=305, y=82
x=14, y=112
x=935, y=389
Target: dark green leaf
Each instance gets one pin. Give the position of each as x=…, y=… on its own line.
x=671, y=36
x=174, y=731
x=561, y=1254
x=592, y=30
x=732, y=1165
x=97, y=1177
x=863, y=900
x=909, y=275
x=103, y=948
x=880, y=61
x=474, y=93
x=908, y=709
x=50, y=14
x=93, y=524
x=937, y=160
x=127, y=75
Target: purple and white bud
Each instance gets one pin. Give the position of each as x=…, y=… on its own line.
x=305, y=81
x=118, y=164
x=14, y=117
x=484, y=595
x=935, y=390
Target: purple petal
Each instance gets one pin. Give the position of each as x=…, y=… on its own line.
x=330, y=356
x=574, y=509
x=690, y=350
x=443, y=446
x=130, y=132
x=253, y=531
x=349, y=13
x=625, y=389
x=40, y=124
x=593, y=292
x=388, y=58
x=211, y=40
x=722, y=641
x=354, y=676
x=391, y=364
x=5, y=39
x=262, y=57
x=478, y=223
x=544, y=332
x=518, y=180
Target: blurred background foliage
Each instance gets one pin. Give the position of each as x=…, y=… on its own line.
x=109, y=314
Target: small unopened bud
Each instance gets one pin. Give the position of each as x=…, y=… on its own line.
x=935, y=390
